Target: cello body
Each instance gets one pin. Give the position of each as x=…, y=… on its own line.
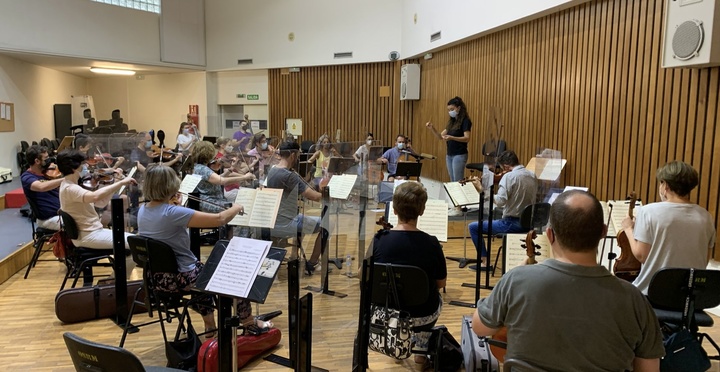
x=627, y=267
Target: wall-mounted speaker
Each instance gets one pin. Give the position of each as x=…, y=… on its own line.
x=409, y=82
x=692, y=33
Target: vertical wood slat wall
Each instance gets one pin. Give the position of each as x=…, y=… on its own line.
x=585, y=81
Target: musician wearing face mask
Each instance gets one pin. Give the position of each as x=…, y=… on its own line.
x=262, y=154
x=391, y=157
x=142, y=154
x=362, y=153
x=242, y=138
x=40, y=189
x=185, y=139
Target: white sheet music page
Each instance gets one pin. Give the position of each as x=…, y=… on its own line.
x=239, y=266
x=516, y=254
x=434, y=220
x=462, y=194
x=265, y=208
x=246, y=198
x=341, y=184
x=188, y=185
x=552, y=169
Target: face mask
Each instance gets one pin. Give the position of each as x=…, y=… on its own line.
x=148, y=144
x=263, y=146
x=228, y=148
x=84, y=172
x=401, y=145
x=369, y=142
x=186, y=131
x=453, y=114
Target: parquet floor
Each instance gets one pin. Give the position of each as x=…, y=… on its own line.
x=31, y=335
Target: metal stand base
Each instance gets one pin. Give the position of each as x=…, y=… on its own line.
x=463, y=261
x=323, y=291
x=285, y=362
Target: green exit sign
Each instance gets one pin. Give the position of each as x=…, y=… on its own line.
x=253, y=97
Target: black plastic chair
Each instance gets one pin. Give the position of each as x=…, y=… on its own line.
x=679, y=296
x=88, y=356
x=79, y=259
x=533, y=217
x=40, y=236
x=306, y=145
x=153, y=256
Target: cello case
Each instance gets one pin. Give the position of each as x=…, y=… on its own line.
x=248, y=347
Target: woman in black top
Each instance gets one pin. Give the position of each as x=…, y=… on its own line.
x=456, y=135
x=406, y=245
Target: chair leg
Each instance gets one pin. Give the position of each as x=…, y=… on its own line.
x=712, y=342
x=36, y=255
x=126, y=328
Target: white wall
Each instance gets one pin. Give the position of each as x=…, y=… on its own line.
x=259, y=30
x=33, y=90
x=81, y=28
x=462, y=19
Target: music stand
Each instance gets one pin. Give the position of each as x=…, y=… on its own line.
x=304, y=169
x=340, y=165
x=408, y=169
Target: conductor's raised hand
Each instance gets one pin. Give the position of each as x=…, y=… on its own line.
x=429, y=125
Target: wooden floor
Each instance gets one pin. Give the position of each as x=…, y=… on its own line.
x=32, y=336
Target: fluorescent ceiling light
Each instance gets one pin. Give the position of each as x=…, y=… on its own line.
x=111, y=71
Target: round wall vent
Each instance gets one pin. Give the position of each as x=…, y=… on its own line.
x=687, y=40
x=393, y=56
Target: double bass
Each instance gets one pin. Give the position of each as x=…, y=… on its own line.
x=626, y=266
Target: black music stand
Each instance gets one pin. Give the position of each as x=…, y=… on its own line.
x=339, y=166
x=227, y=324
x=462, y=261
x=119, y=265
x=408, y=169
x=325, y=282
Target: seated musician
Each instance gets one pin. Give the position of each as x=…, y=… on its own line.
x=289, y=222
x=262, y=155
x=516, y=190
x=211, y=184
x=41, y=189
x=162, y=220
x=84, y=144
x=591, y=320
x=406, y=245
x=392, y=156
x=185, y=139
x=227, y=164
x=324, y=150
x=80, y=203
x=142, y=154
x=674, y=232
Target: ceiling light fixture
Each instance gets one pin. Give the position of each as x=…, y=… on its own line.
x=111, y=71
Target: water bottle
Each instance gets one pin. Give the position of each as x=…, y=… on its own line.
x=348, y=266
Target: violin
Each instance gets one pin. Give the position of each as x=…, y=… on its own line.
x=97, y=179
x=626, y=266
x=531, y=247
x=499, y=175
x=385, y=225
x=52, y=172
x=167, y=154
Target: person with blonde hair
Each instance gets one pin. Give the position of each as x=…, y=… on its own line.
x=406, y=245
x=674, y=232
x=163, y=220
x=211, y=184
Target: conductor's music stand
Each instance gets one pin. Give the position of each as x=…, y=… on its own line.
x=407, y=170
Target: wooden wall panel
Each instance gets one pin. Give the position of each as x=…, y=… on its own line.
x=585, y=81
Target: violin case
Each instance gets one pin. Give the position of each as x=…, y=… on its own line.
x=248, y=347
x=5, y=175
x=476, y=350
x=81, y=304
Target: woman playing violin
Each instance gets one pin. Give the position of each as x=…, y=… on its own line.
x=142, y=155
x=84, y=144
x=227, y=164
x=262, y=154
x=211, y=184
x=185, y=139
x=40, y=189
x=324, y=150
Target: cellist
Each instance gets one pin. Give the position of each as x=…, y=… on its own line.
x=674, y=232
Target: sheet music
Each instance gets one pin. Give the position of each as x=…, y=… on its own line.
x=398, y=183
x=246, y=198
x=515, y=254
x=462, y=194
x=341, y=185
x=434, y=220
x=236, y=272
x=188, y=185
x=619, y=211
x=552, y=169
x=265, y=208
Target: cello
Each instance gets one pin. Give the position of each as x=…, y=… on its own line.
x=626, y=266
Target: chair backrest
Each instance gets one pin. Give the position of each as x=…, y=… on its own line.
x=69, y=225
x=24, y=146
x=412, y=283
x=519, y=365
x=93, y=357
x=535, y=216
x=306, y=145
x=152, y=255
x=685, y=290
x=103, y=130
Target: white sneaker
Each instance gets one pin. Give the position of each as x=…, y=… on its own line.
x=455, y=213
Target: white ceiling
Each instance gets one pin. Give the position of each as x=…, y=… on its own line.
x=81, y=66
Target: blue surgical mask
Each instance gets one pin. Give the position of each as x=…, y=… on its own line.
x=148, y=144
x=400, y=146
x=452, y=113
x=186, y=131
x=84, y=172
x=263, y=146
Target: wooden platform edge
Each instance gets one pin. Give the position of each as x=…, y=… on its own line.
x=16, y=261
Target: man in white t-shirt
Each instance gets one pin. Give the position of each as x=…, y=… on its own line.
x=674, y=232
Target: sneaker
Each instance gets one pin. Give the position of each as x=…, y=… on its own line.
x=455, y=213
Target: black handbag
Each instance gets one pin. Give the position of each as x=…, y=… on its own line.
x=390, y=329
x=683, y=352
x=449, y=356
x=183, y=353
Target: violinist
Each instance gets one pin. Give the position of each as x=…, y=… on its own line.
x=362, y=154
x=211, y=184
x=227, y=164
x=80, y=203
x=516, y=190
x=324, y=150
x=261, y=153
x=185, y=139
x=84, y=144
x=288, y=222
x=143, y=154
x=41, y=189
x=674, y=232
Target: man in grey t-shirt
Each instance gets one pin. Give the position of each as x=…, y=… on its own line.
x=569, y=313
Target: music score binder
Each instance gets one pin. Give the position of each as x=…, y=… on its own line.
x=262, y=283
x=462, y=195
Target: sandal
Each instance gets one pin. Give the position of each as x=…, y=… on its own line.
x=257, y=327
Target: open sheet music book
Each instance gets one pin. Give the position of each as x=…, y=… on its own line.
x=240, y=264
x=341, y=184
x=619, y=211
x=188, y=185
x=462, y=194
x=515, y=254
x=261, y=207
x=434, y=221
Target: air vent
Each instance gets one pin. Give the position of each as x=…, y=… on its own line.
x=245, y=61
x=343, y=55
x=435, y=37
